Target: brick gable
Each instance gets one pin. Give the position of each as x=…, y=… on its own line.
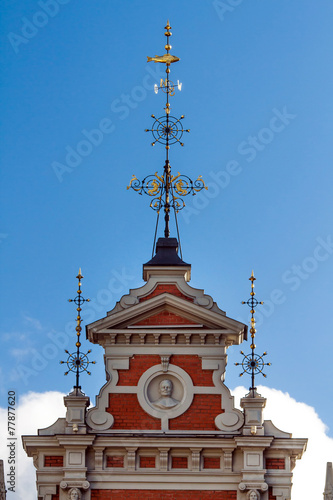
x=165, y=318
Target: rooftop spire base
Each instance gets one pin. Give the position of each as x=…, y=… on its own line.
x=167, y=260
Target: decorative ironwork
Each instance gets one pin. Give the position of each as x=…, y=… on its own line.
x=252, y=363
x=78, y=361
x=167, y=130
x=156, y=187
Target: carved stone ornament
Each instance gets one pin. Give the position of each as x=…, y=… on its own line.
x=165, y=401
x=74, y=485
x=165, y=362
x=35, y=460
x=252, y=486
x=253, y=495
x=74, y=494
x=165, y=396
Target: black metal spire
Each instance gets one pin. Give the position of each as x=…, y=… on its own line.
x=252, y=363
x=167, y=190
x=78, y=361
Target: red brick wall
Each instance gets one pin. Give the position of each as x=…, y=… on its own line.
x=190, y=363
x=211, y=462
x=179, y=462
x=147, y=462
x=165, y=318
x=200, y=415
x=162, y=495
x=116, y=461
x=138, y=365
x=166, y=288
x=193, y=366
x=128, y=414
x=53, y=461
x=270, y=494
x=275, y=463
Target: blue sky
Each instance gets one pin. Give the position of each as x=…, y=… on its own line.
x=257, y=85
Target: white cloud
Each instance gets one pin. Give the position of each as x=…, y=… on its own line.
x=29, y=320
x=34, y=411
x=39, y=410
x=13, y=337
x=20, y=354
x=302, y=421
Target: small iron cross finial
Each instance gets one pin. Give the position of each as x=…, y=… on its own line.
x=252, y=363
x=78, y=362
x=167, y=190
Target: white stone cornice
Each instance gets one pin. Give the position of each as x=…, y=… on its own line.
x=74, y=440
x=293, y=446
x=258, y=442
x=31, y=443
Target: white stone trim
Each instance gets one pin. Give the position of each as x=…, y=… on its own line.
x=98, y=418
x=175, y=479
x=46, y=491
x=196, y=294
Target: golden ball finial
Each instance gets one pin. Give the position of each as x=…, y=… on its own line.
x=167, y=28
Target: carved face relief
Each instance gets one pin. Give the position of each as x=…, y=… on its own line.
x=74, y=494
x=165, y=395
x=166, y=400
x=166, y=387
x=253, y=495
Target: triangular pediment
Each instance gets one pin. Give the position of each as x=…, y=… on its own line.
x=167, y=312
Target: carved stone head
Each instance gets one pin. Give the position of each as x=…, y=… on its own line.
x=74, y=494
x=166, y=387
x=253, y=495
